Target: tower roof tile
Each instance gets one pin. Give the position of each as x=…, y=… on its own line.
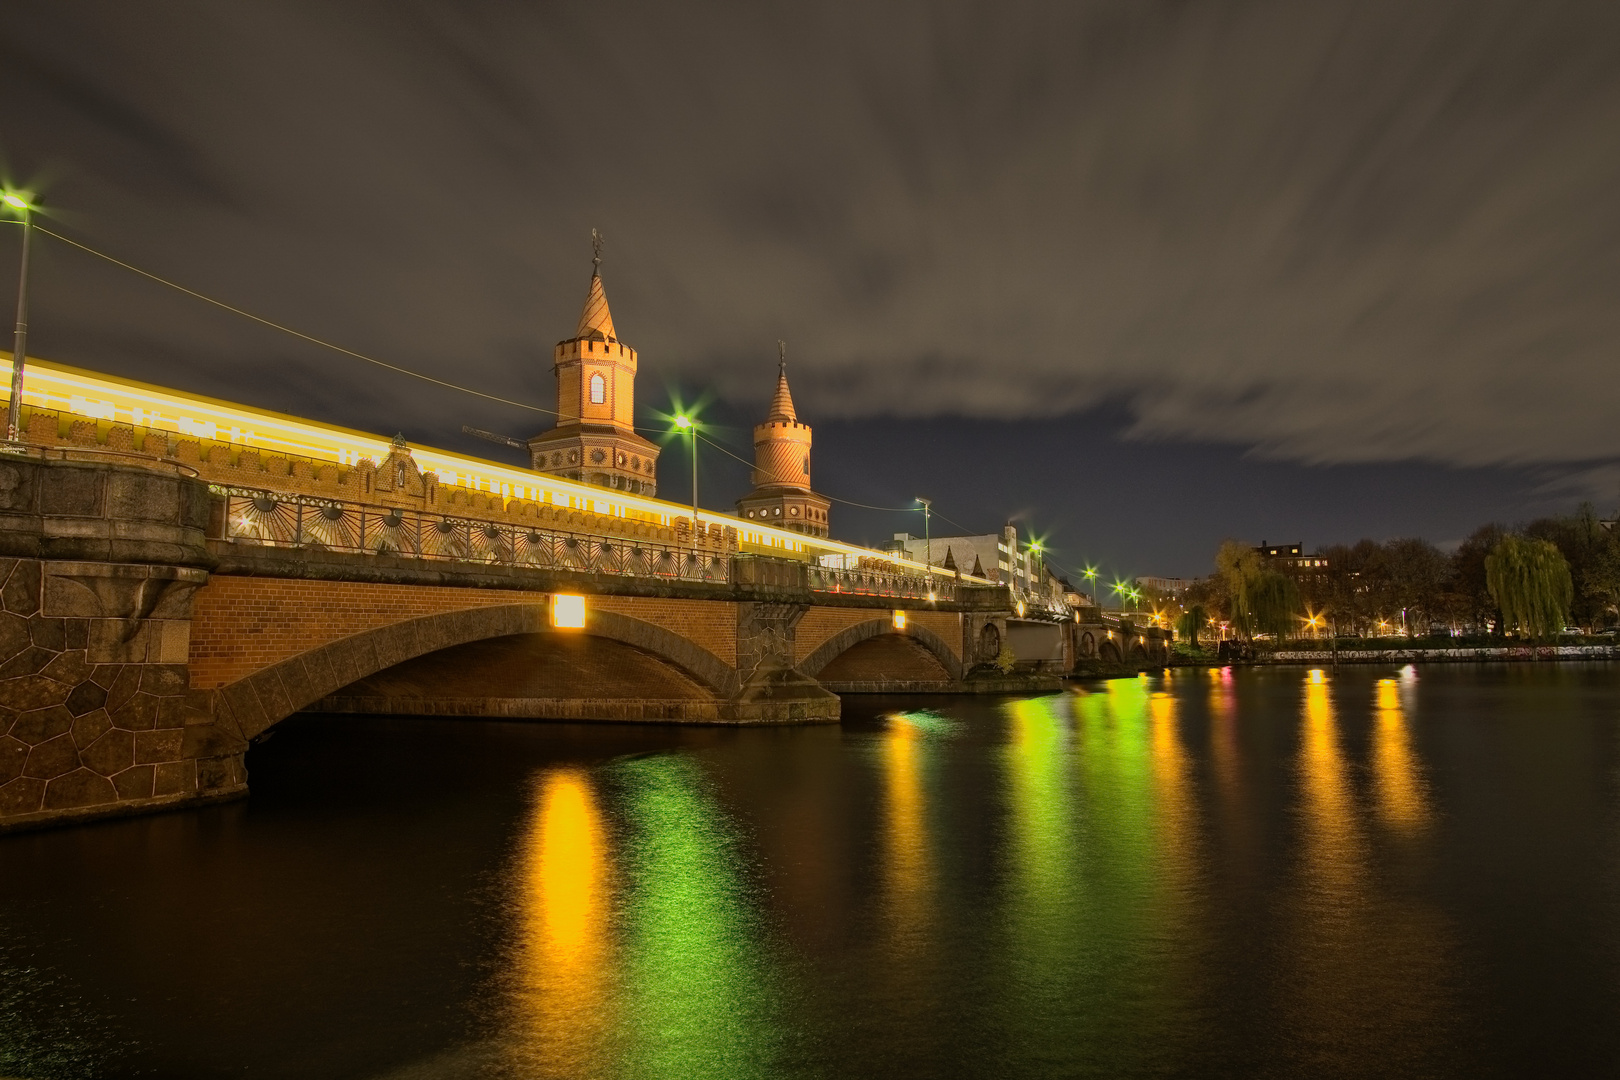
x=596, y=316
x=782, y=403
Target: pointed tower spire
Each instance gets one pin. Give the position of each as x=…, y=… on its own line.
x=782, y=403
x=978, y=567
x=950, y=560
x=596, y=317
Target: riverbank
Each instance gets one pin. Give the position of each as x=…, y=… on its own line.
x=1469, y=654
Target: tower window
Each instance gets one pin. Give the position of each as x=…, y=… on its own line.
x=599, y=391
x=807, y=466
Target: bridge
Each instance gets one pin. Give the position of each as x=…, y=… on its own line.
x=177, y=576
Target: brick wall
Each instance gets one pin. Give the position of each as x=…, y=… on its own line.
x=821, y=623
x=243, y=624
x=946, y=624
x=711, y=624
x=885, y=659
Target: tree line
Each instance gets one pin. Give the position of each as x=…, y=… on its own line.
x=1530, y=581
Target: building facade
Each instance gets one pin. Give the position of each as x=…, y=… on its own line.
x=995, y=556
x=782, y=495
x=1291, y=558
x=595, y=439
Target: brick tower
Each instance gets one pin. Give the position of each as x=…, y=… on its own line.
x=782, y=494
x=595, y=439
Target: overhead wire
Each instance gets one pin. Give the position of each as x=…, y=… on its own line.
x=824, y=495
x=312, y=339
x=321, y=342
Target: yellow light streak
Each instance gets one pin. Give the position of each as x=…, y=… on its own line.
x=113, y=399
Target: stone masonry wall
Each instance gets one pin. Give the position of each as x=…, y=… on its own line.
x=95, y=710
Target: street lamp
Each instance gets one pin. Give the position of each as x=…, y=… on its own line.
x=1091, y=579
x=19, y=347
x=690, y=426
x=928, y=542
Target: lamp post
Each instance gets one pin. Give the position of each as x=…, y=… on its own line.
x=1030, y=571
x=688, y=425
x=928, y=541
x=1091, y=580
x=19, y=347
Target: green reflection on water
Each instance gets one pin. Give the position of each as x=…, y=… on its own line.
x=700, y=994
x=1102, y=866
x=1044, y=890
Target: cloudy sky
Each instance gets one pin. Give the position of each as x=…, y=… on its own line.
x=1142, y=274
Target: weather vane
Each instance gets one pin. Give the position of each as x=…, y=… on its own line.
x=781, y=356
x=596, y=249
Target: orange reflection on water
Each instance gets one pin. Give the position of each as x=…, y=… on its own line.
x=1332, y=840
x=1174, y=794
x=906, y=864
x=563, y=974
x=1223, y=736
x=1402, y=795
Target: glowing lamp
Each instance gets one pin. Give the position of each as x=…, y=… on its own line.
x=16, y=202
x=568, y=612
x=683, y=422
x=899, y=620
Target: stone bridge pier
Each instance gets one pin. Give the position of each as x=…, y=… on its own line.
x=99, y=564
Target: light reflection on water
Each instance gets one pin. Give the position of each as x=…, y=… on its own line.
x=908, y=881
x=561, y=967
x=1289, y=872
x=1402, y=795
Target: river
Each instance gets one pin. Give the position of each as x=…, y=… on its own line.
x=1271, y=872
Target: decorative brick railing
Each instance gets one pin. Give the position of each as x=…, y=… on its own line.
x=864, y=582
x=276, y=519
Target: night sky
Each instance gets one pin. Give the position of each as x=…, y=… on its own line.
x=1142, y=275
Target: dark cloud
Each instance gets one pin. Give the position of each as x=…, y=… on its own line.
x=1322, y=233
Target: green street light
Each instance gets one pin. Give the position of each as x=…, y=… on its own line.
x=928, y=534
x=690, y=426
x=19, y=347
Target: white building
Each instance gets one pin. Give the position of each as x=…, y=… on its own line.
x=996, y=556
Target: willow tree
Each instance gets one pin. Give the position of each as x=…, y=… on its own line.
x=1530, y=582
x=1262, y=601
x=1274, y=604
x=1237, y=566
x=1190, y=623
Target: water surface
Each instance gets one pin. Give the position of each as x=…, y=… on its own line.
x=1277, y=872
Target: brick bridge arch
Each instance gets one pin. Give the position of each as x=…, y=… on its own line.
x=256, y=702
x=852, y=636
